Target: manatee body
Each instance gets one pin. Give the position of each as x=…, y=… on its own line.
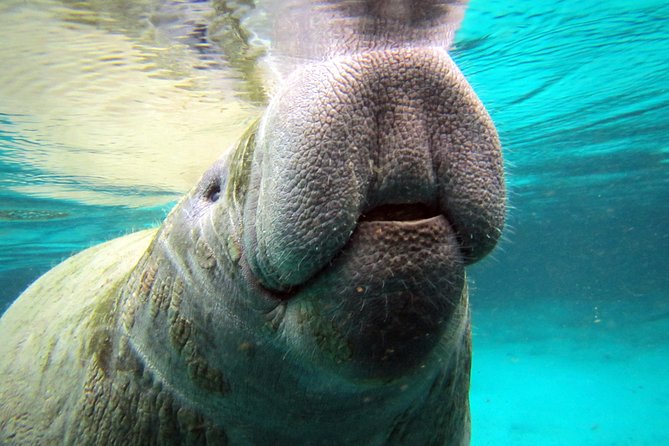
x=309, y=290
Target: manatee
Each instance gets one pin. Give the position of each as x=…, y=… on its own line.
x=310, y=289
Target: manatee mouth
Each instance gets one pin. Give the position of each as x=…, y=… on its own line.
x=400, y=212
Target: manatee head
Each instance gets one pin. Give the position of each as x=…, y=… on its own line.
x=319, y=268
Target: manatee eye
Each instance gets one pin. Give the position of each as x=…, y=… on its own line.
x=213, y=184
x=213, y=192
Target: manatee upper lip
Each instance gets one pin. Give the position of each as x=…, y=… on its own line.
x=388, y=136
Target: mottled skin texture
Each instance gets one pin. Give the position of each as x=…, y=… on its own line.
x=309, y=290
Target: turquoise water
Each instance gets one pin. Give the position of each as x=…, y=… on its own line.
x=571, y=312
x=571, y=317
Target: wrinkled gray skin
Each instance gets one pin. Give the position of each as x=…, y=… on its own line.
x=309, y=290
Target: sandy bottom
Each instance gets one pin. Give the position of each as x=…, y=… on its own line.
x=571, y=373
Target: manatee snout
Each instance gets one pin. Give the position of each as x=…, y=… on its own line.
x=377, y=177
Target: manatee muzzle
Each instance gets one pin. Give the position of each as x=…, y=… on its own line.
x=377, y=177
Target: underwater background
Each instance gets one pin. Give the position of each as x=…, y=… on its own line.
x=109, y=114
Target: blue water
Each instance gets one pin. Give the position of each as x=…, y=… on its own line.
x=571, y=312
